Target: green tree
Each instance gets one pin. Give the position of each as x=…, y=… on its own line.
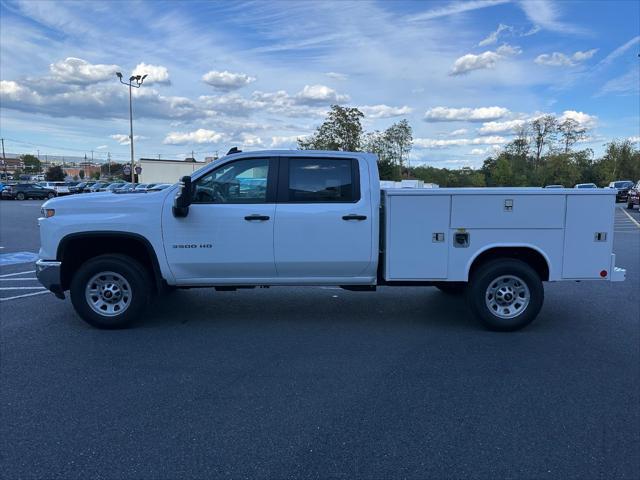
x=621, y=161
x=502, y=173
x=55, y=174
x=81, y=174
x=398, y=139
x=95, y=175
x=341, y=130
x=560, y=169
x=31, y=164
x=570, y=132
x=544, y=130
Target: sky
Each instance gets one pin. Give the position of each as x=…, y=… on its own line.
x=261, y=74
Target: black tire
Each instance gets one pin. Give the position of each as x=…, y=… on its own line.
x=139, y=290
x=20, y=196
x=51, y=195
x=452, y=288
x=629, y=206
x=507, y=270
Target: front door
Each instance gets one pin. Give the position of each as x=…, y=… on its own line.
x=228, y=234
x=324, y=222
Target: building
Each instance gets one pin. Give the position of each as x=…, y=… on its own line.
x=166, y=171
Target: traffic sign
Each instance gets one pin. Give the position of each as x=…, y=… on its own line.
x=138, y=170
x=127, y=170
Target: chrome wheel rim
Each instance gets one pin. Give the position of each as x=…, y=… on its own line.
x=507, y=296
x=108, y=294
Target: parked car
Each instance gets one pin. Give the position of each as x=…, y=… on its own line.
x=88, y=185
x=22, y=191
x=79, y=187
x=61, y=188
x=98, y=186
x=145, y=186
x=586, y=185
x=633, y=197
x=113, y=187
x=126, y=187
x=622, y=187
x=554, y=186
x=159, y=186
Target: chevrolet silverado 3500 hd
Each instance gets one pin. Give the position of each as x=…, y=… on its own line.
x=320, y=218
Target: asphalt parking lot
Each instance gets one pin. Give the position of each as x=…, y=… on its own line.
x=318, y=382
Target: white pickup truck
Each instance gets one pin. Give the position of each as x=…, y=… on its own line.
x=320, y=218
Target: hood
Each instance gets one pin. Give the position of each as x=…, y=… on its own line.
x=103, y=202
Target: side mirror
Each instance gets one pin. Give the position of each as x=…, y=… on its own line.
x=183, y=198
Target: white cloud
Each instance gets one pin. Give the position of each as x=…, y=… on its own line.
x=227, y=81
x=123, y=139
x=499, y=127
x=286, y=140
x=545, y=14
x=460, y=131
x=482, y=114
x=485, y=60
x=628, y=83
x=199, y=136
x=583, y=119
x=454, y=9
x=78, y=71
x=337, y=76
x=634, y=139
x=384, y=111
x=619, y=51
x=493, y=36
x=154, y=73
x=457, y=142
x=557, y=59
x=320, y=94
x=102, y=147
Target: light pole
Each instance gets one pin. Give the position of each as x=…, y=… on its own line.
x=138, y=79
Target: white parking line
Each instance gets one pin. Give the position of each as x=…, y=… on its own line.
x=16, y=273
x=25, y=295
x=631, y=218
x=21, y=288
x=18, y=279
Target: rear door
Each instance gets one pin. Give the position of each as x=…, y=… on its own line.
x=323, y=224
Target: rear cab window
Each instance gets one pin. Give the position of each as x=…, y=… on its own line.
x=319, y=180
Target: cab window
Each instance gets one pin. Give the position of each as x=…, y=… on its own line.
x=242, y=181
x=322, y=180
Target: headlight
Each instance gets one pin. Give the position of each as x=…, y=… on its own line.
x=47, y=212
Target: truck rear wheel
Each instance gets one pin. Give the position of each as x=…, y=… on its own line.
x=110, y=291
x=506, y=295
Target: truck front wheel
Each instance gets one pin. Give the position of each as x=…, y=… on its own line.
x=110, y=291
x=506, y=294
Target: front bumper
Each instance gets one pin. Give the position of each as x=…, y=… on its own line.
x=48, y=273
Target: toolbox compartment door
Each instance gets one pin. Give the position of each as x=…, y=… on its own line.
x=412, y=251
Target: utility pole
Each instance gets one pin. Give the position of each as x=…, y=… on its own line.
x=109, y=162
x=139, y=79
x=91, y=156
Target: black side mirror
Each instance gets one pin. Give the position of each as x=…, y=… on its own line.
x=183, y=198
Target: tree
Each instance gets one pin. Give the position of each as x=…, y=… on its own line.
x=31, y=163
x=55, y=174
x=571, y=132
x=95, y=175
x=621, y=161
x=544, y=130
x=341, y=130
x=399, y=140
x=81, y=174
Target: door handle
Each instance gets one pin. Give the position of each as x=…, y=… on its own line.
x=353, y=216
x=256, y=217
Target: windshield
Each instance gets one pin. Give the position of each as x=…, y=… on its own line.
x=622, y=184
